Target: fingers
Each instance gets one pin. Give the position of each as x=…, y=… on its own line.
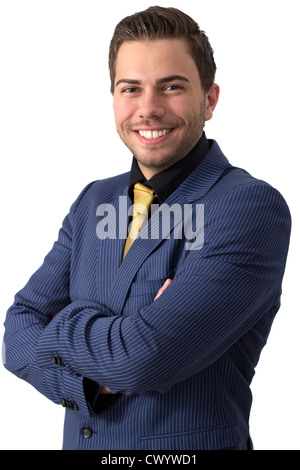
x=166, y=284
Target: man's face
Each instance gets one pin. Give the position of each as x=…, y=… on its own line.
x=159, y=104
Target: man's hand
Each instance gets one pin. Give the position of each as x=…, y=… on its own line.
x=166, y=284
x=105, y=391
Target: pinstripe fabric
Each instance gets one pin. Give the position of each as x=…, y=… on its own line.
x=180, y=368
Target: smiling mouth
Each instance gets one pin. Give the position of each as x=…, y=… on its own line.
x=150, y=135
x=154, y=136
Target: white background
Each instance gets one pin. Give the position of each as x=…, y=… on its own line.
x=58, y=134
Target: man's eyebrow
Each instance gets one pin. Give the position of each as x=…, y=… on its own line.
x=160, y=81
x=128, y=81
x=172, y=78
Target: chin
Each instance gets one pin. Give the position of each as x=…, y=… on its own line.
x=159, y=162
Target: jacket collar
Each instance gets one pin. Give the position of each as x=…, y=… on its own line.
x=204, y=176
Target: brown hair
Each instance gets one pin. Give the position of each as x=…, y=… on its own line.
x=160, y=23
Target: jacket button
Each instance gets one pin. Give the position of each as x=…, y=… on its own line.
x=86, y=432
x=54, y=360
x=63, y=402
x=60, y=361
x=57, y=361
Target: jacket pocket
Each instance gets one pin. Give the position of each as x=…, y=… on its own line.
x=218, y=438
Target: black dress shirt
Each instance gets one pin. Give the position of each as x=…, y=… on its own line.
x=165, y=182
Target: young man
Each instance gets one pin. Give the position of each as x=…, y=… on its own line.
x=150, y=342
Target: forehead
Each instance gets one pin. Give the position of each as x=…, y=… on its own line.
x=143, y=60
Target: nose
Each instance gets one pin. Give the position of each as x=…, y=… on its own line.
x=151, y=106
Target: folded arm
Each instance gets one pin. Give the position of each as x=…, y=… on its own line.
x=216, y=296
x=35, y=306
x=104, y=390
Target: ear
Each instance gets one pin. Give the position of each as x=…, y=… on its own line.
x=212, y=98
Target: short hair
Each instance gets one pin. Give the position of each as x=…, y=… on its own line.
x=165, y=23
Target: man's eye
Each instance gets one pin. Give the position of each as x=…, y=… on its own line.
x=172, y=87
x=129, y=90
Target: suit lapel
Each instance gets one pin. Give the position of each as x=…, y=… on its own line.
x=191, y=190
x=110, y=249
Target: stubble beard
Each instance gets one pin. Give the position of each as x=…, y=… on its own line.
x=155, y=157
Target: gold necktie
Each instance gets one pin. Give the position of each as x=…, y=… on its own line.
x=143, y=197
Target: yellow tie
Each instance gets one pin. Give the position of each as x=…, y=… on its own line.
x=143, y=197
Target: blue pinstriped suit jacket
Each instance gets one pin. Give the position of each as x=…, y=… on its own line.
x=179, y=367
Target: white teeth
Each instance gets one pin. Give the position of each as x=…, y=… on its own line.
x=154, y=134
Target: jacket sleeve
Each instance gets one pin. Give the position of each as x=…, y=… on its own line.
x=46, y=294
x=218, y=294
